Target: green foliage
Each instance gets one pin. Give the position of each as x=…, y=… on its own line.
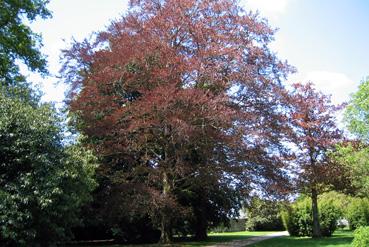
x=298, y=218
x=355, y=159
x=358, y=212
x=361, y=237
x=23, y=91
x=329, y=215
x=357, y=112
x=235, y=225
x=264, y=215
x=42, y=183
x=355, y=156
x=17, y=41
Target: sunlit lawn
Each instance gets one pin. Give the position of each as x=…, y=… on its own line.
x=339, y=239
x=223, y=237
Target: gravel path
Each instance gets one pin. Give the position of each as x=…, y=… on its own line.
x=249, y=241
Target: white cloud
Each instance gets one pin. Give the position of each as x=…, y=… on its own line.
x=268, y=8
x=339, y=85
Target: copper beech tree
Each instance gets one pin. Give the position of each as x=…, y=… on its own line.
x=183, y=102
x=315, y=134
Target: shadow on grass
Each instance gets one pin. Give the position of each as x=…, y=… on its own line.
x=209, y=241
x=218, y=238
x=212, y=239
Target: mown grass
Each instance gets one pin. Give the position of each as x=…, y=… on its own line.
x=213, y=238
x=341, y=238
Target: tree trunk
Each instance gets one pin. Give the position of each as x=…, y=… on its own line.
x=201, y=228
x=201, y=231
x=165, y=236
x=316, y=224
x=166, y=233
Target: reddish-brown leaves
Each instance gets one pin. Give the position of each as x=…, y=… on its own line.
x=315, y=133
x=179, y=87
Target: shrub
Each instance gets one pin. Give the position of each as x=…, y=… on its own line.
x=329, y=216
x=361, y=237
x=358, y=213
x=264, y=215
x=298, y=218
x=235, y=225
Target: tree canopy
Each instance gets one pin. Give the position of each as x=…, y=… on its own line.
x=185, y=107
x=353, y=155
x=183, y=98
x=17, y=41
x=43, y=181
x=357, y=112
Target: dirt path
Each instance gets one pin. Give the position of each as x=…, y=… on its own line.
x=249, y=241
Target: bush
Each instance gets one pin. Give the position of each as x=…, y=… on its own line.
x=264, y=215
x=358, y=213
x=329, y=216
x=361, y=237
x=43, y=183
x=235, y=225
x=298, y=218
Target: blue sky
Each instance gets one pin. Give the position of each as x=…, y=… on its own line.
x=326, y=40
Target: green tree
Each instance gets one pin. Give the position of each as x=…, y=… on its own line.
x=17, y=41
x=353, y=157
x=357, y=212
x=264, y=215
x=42, y=183
x=357, y=112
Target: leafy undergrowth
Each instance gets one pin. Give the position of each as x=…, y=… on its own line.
x=342, y=238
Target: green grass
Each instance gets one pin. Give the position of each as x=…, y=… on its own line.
x=339, y=239
x=215, y=238
x=342, y=238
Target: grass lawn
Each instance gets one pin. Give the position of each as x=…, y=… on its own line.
x=222, y=237
x=213, y=238
x=339, y=239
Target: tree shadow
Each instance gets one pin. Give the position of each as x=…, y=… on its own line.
x=212, y=239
